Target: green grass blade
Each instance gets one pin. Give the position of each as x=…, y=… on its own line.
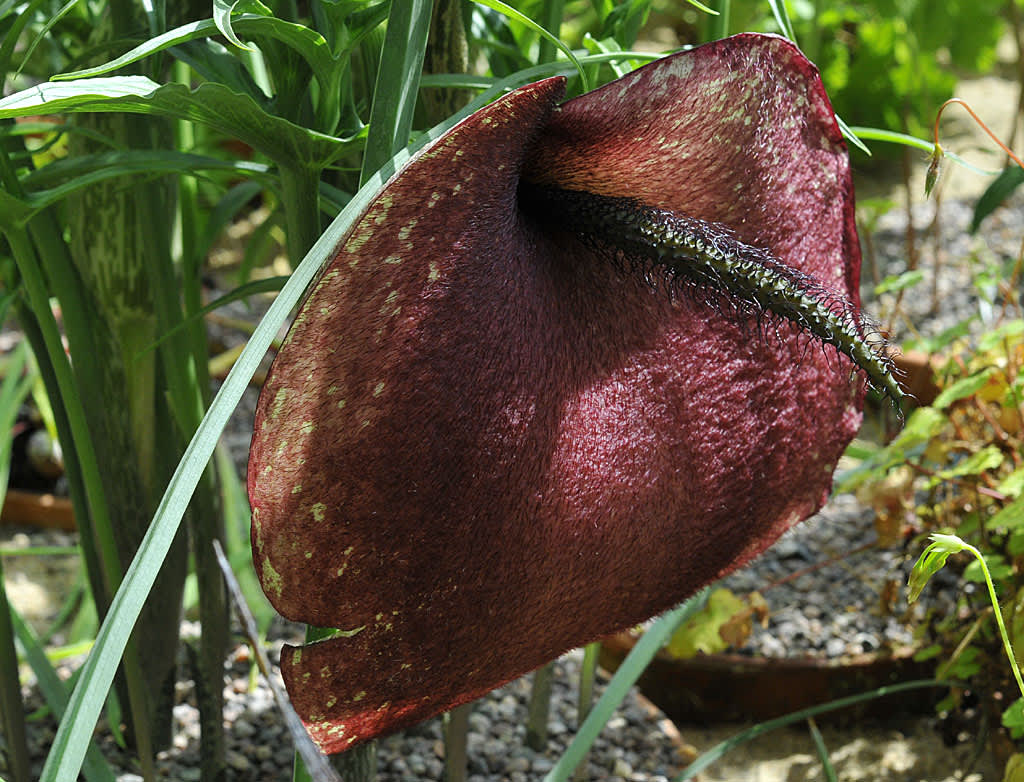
x=723, y=747
x=850, y=136
x=94, y=766
x=398, y=83
x=512, y=13
x=13, y=390
x=822, y=750
x=634, y=664
x=265, y=285
x=308, y=43
x=551, y=20
x=782, y=17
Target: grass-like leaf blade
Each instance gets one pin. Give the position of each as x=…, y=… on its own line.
x=625, y=677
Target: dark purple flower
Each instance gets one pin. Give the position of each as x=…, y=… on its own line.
x=568, y=367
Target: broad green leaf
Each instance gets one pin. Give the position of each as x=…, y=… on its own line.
x=899, y=282
x=222, y=10
x=1013, y=484
x=235, y=115
x=1013, y=720
x=1010, y=516
x=988, y=458
x=996, y=193
x=308, y=43
x=701, y=633
x=962, y=389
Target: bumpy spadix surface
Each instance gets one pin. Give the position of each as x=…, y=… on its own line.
x=483, y=444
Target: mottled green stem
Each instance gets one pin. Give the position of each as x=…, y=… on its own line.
x=456, y=734
x=12, y=710
x=539, y=708
x=588, y=672
x=300, y=196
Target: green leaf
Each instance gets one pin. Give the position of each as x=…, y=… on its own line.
x=94, y=767
x=512, y=13
x=235, y=115
x=265, y=285
x=988, y=458
x=961, y=389
x=14, y=211
x=998, y=569
x=931, y=561
x=625, y=677
x=922, y=425
x=398, y=78
x=722, y=748
x=1010, y=517
x=222, y=10
x=1013, y=718
x=75, y=173
x=306, y=42
x=1008, y=332
x=701, y=633
x=781, y=15
x=899, y=282
x=1013, y=484
x=997, y=192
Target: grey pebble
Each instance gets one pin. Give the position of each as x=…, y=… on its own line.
x=237, y=761
x=541, y=765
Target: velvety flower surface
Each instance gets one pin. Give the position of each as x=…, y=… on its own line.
x=492, y=436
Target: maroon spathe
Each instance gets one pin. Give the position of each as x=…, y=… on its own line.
x=482, y=445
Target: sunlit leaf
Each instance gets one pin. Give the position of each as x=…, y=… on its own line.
x=238, y=116
x=931, y=561
x=962, y=389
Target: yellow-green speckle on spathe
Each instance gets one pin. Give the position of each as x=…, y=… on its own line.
x=279, y=399
x=272, y=580
x=318, y=511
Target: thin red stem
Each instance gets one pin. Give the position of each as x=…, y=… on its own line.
x=981, y=123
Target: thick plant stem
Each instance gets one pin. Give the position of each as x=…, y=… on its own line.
x=66, y=391
x=12, y=716
x=554, y=12
x=300, y=193
x=539, y=708
x=588, y=672
x=456, y=734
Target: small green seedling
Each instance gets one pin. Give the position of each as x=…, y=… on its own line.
x=931, y=562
